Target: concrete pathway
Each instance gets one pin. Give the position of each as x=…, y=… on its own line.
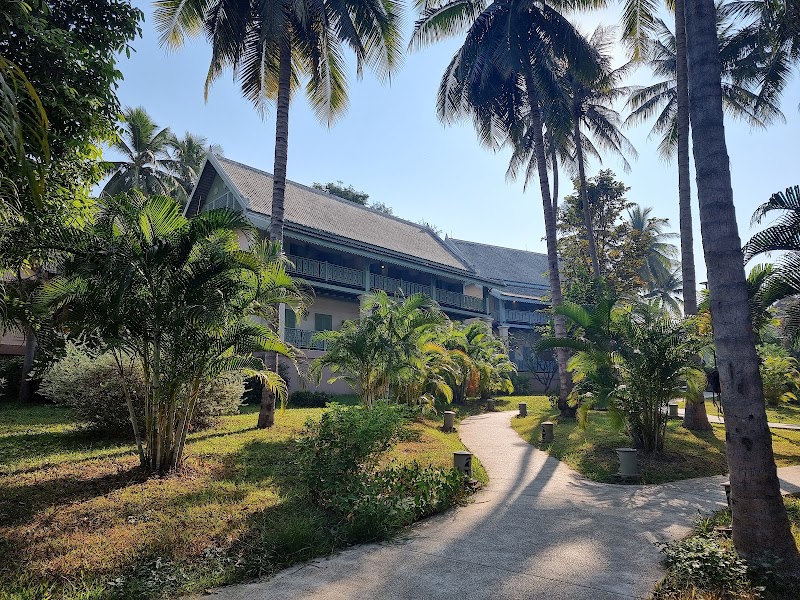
x=718, y=419
x=539, y=530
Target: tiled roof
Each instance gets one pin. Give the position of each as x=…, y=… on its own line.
x=525, y=273
x=324, y=212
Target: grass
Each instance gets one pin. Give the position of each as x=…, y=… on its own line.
x=788, y=413
x=686, y=453
x=696, y=576
x=79, y=520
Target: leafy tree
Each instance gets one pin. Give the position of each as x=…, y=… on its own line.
x=634, y=359
x=380, y=351
x=147, y=165
x=660, y=255
x=69, y=52
x=272, y=47
x=757, y=505
x=592, y=101
x=382, y=208
x=502, y=76
x=769, y=44
x=622, y=250
x=148, y=283
x=188, y=153
x=348, y=193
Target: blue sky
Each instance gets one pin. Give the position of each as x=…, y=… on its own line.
x=391, y=145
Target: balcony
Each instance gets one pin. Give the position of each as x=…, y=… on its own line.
x=391, y=285
x=301, y=338
x=325, y=271
x=316, y=270
x=528, y=317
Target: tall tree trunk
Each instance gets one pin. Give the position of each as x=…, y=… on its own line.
x=266, y=416
x=25, y=384
x=554, y=168
x=694, y=417
x=552, y=250
x=587, y=213
x=761, y=524
x=281, y=141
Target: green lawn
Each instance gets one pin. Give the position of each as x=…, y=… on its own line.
x=686, y=454
x=785, y=413
x=78, y=517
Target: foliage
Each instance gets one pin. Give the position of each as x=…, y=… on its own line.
x=780, y=376
x=386, y=350
x=347, y=193
x=622, y=250
x=309, y=399
x=95, y=391
x=148, y=283
x=706, y=563
x=522, y=384
x=11, y=374
x=345, y=443
x=188, y=153
x=661, y=257
x=779, y=282
x=660, y=99
x=635, y=357
x=382, y=207
x=339, y=457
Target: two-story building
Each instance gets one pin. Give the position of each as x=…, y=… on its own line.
x=344, y=250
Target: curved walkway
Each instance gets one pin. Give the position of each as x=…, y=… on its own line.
x=538, y=530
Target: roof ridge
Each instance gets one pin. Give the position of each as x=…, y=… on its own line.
x=334, y=197
x=424, y=228
x=496, y=246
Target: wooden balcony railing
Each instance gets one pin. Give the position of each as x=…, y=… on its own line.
x=529, y=317
x=325, y=271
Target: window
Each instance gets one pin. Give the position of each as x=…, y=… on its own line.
x=289, y=318
x=323, y=322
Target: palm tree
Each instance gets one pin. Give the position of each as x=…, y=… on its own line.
x=661, y=255
x=592, y=106
x=756, y=502
x=665, y=52
x=272, y=46
x=188, y=154
x=780, y=281
x=502, y=75
x=147, y=166
x=667, y=291
x=166, y=283
x=769, y=44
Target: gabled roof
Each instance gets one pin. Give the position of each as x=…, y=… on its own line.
x=309, y=208
x=524, y=273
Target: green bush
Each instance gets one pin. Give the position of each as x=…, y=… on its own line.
x=339, y=455
x=522, y=384
x=11, y=373
x=781, y=379
x=93, y=389
x=306, y=399
x=708, y=563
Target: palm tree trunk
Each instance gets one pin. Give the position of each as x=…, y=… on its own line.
x=762, y=526
x=694, y=417
x=587, y=213
x=266, y=415
x=552, y=249
x=25, y=384
x=281, y=141
x=554, y=168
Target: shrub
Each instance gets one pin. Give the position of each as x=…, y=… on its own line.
x=522, y=384
x=306, y=399
x=339, y=456
x=11, y=373
x=781, y=379
x=708, y=563
x=93, y=389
